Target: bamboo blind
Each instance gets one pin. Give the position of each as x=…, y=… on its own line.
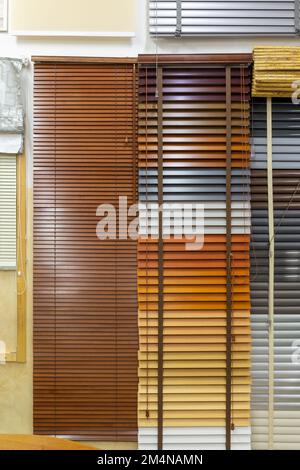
x=276, y=68
x=85, y=321
x=190, y=135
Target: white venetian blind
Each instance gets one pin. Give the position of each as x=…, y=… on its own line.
x=8, y=212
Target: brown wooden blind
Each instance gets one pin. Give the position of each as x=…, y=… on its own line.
x=85, y=306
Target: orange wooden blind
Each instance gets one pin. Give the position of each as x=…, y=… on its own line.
x=85, y=306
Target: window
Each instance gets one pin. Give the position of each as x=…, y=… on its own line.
x=8, y=216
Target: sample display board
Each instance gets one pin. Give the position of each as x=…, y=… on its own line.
x=194, y=306
x=73, y=17
x=277, y=426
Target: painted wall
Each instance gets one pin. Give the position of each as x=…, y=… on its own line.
x=54, y=15
x=16, y=380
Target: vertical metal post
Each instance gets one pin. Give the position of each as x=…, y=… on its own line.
x=160, y=333
x=228, y=259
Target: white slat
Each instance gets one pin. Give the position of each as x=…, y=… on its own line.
x=227, y=17
x=8, y=212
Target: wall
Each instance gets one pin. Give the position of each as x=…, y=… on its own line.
x=35, y=15
x=16, y=380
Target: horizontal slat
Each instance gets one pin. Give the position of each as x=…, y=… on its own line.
x=226, y=17
x=85, y=331
x=8, y=212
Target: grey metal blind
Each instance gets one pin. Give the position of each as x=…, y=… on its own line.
x=8, y=201
x=286, y=184
x=227, y=17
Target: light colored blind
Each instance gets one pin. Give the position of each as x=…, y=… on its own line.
x=227, y=17
x=8, y=202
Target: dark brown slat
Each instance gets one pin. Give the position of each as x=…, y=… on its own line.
x=63, y=60
x=195, y=58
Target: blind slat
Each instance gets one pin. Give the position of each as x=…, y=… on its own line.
x=8, y=212
x=85, y=322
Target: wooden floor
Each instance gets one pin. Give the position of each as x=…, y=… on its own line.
x=23, y=442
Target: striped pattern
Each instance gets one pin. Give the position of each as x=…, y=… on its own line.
x=194, y=282
x=195, y=438
x=286, y=187
x=84, y=291
x=8, y=212
x=223, y=18
x=276, y=69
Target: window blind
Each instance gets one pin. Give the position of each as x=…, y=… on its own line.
x=85, y=320
x=8, y=212
x=286, y=378
x=275, y=71
x=227, y=17
x=185, y=138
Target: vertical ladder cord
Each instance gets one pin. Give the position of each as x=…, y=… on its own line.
x=271, y=273
x=178, y=30
x=228, y=259
x=160, y=332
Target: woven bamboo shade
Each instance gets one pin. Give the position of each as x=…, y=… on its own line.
x=275, y=71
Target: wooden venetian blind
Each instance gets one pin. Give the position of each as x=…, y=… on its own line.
x=85, y=311
x=194, y=306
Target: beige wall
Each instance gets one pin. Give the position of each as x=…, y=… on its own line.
x=72, y=15
x=8, y=309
